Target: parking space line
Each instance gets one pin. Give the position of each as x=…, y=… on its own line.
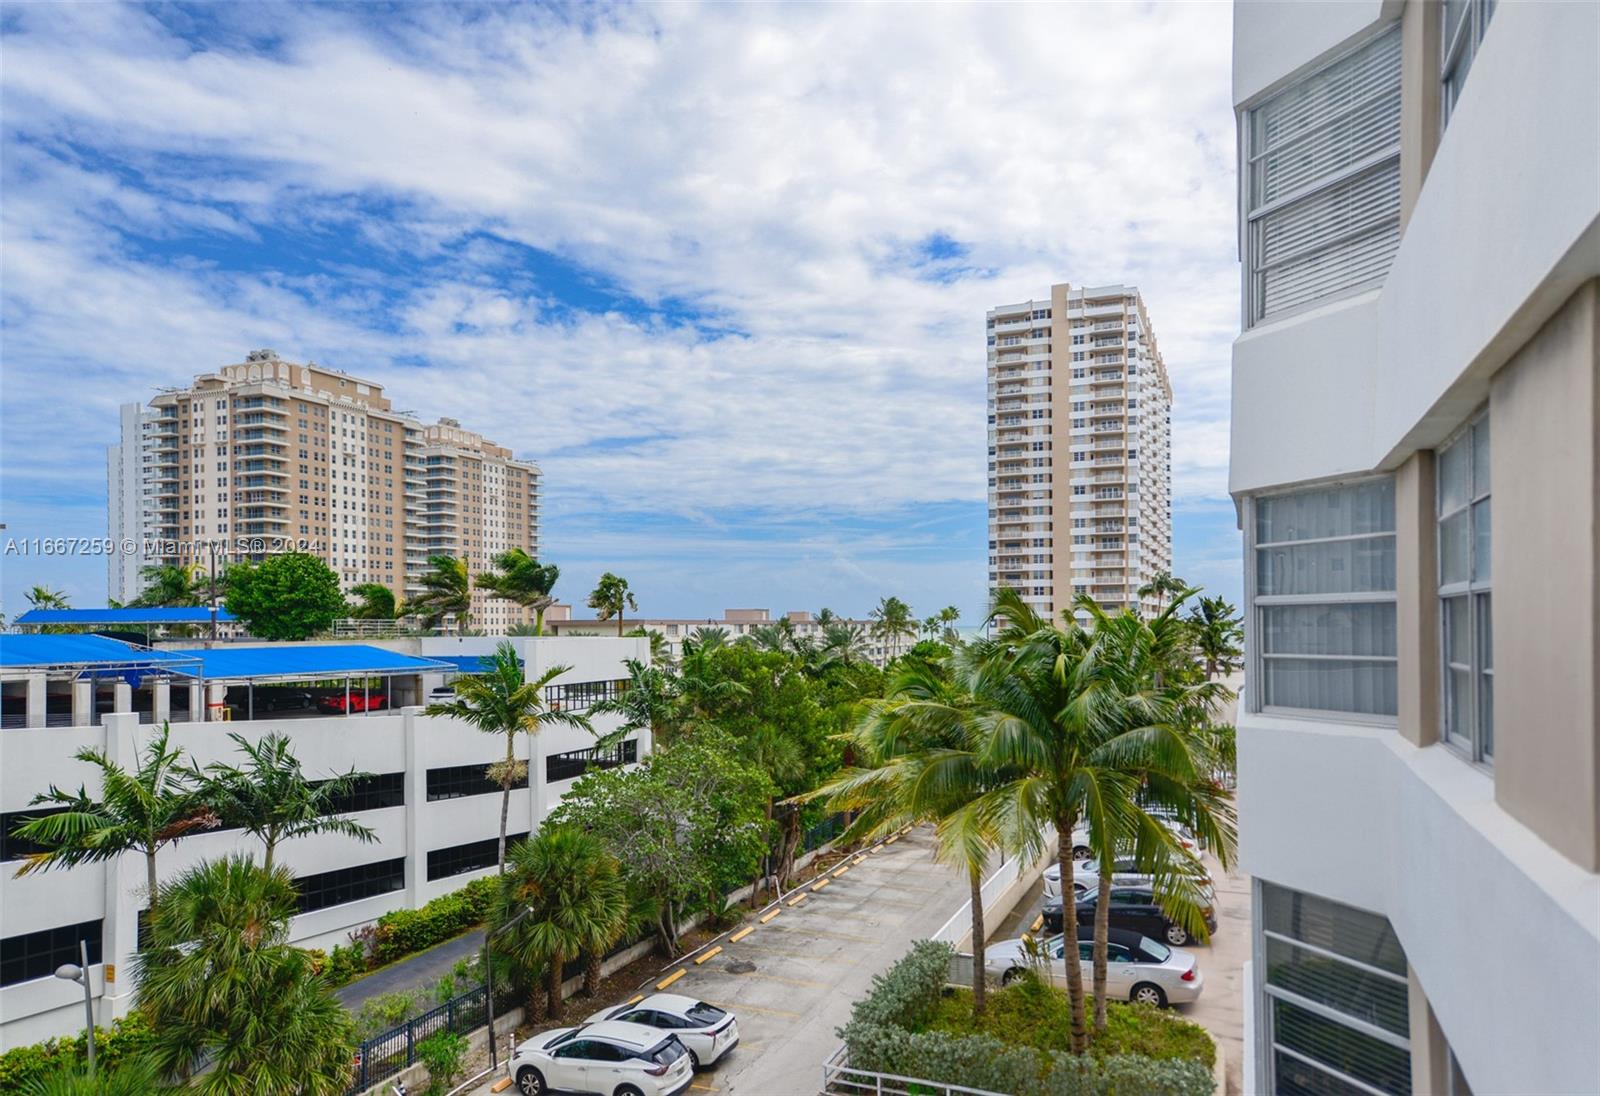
x=712, y=954
x=849, y=937
x=741, y=934
x=800, y=983
x=737, y=1006
x=671, y=978
x=764, y=918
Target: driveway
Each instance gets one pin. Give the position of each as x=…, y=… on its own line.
x=792, y=979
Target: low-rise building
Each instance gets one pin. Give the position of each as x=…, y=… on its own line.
x=435, y=813
x=735, y=624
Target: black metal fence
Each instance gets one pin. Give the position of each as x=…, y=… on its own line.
x=574, y=763
x=823, y=832
x=386, y=1054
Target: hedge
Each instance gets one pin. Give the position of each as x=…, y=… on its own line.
x=400, y=933
x=882, y=1037
x=22, y=1066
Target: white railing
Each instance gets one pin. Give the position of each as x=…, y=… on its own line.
x=838, y=1076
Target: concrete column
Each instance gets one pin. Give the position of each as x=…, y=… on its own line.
x=83, y=703
x=36, y=700
x=413, y=725
x=161, y=689
x=216, y=693
x=125, y=886
x=1544, y=414
x=124, y=697
x=197, y=711
x=1421, y=98
x=1417, y=599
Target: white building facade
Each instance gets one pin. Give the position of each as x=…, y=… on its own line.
x=436, y=816
x=1416, y=404
x=1079, y=449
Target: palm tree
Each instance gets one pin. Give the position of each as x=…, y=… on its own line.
x=446, y=592
x=652, y=701
x=610, y=597
x=502, y=701
x=826, y=616
x=42, y=597
x=377, y=602
x=522, y=580
x=1162, y=587
x=918, y=765
x=844, y=642
x=1218, y=635
x=659, y=654
x=947, y=618
x=1079, y=745
x=174, y=585
x=132, y=1077
x=579, y=905
x=892, y=621
x=222, y=983
x=271, y=798
x=704, y=640
x=140, y=811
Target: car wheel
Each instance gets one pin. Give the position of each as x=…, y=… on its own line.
x=1080, y=853
x=530, y=1082
x=694, y=1061
x=1010, y=976
x=628, y=1090
x=1146, y=994
x=1177, y=935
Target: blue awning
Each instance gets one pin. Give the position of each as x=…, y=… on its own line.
x=310, y=663
x=467, y=664
x=88, y=653
x=166, y=614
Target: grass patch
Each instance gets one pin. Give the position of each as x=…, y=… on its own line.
x=1030, y=1013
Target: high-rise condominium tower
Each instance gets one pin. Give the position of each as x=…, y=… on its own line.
x=275, y=454
x=1080, y=465
x=1416, y=463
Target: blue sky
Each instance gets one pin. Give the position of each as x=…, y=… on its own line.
x=721, y=270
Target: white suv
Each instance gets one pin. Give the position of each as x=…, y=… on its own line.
x=707, y=1031
x=611, y=1058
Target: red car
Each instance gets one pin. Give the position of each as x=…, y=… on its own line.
x=358, y=703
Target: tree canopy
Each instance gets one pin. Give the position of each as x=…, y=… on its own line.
x=291, y=596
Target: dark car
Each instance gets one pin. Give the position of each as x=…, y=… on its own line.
x=284, y=700
x=1136, y=909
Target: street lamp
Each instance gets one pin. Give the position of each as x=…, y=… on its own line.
x=488, y=980
x=72, y=972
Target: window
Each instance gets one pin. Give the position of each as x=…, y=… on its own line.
x=1465, y=616
x=371, y=793
x=333, y=888
x=574, y=763
x=456, y=781
x=1334, y=986
x=1322, y=182
x=472, y=856
x=37, y=954
x=13, y=847
x=1323, y=599
x=1465, y=22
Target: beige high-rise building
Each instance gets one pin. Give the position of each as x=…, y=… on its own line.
x=269, y=455
x=1080, y=453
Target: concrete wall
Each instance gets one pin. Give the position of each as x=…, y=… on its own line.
x=1544, y=412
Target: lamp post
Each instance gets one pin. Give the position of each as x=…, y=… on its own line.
x=488, y=980
x=72, y=972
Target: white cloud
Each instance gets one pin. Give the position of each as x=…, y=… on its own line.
x=768, y=166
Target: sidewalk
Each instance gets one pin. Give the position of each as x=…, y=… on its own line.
x=420, y=971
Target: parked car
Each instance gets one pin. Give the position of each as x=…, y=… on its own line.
x=1136, y=908
x=371, y=702
x=707, y=1031
x=442, y=694
x=284, y=700
x=1125, y=872
x=608, y=1057
x=1138, y=968
x=1082, y=855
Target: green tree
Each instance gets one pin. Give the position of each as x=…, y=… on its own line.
x=687, y=825
x=652, y=701
x=221, y=983
x=133, y=1077
x=843, y=641
x=610, y=597
x=502, y=701
x=524, y=581
x=442, y=1053
x=292, y=596
x=573, y=885
x=375, y=602
x=892, y=622
x=43, y=597
x=270, y=798
x=1162, y=587
x=446, y=593
x=142, y=811
x=947, y=618
x=1218, y=635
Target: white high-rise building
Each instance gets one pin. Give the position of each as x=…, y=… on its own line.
x=1416, y=463
x=130, y=486
x=1080, y=453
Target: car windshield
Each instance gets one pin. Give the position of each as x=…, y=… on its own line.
x=562, y=1038
x=704, y=1014
x=1157, y=951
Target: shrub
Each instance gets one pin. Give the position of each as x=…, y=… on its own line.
x=1153, y=1033
x=906, y=994
x=1125, y=1075
x=402, y=932
x=442, y=1053
x=24, y=1065
x=388, y=1010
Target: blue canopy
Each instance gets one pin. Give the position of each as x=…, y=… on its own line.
x=308, y=663
x=166, y=614
x=87, y=652
x=467, y=664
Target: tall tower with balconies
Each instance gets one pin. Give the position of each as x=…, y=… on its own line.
x=1079, y=449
